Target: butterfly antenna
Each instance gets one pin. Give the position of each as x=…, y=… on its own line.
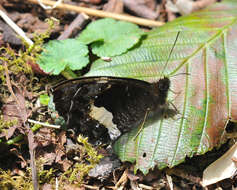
x=171, y=51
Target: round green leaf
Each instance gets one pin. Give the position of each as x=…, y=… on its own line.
x=59, y=54
x=110, y=37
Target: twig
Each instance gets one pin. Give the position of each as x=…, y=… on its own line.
x=170, y=182
x=49, y=7
x=8, y=81
x=90, y=187
x=44, y=124
x=123, y=180
x=78, y=22
x=17, y=29
x=32, y=157
x=99, y=13
x=142, y=186
x=140, y=9
x=30, y=135
x=56, y=184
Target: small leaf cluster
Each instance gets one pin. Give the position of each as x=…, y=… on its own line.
x=106, y=38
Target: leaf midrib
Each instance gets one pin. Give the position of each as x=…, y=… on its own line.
x=203, y=45
x=201, y=48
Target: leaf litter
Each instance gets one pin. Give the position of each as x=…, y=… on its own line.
x=50, y=144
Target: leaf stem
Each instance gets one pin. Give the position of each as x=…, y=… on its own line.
x=68, y=74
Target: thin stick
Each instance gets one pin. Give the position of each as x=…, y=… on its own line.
x=78, y=22
x=16, y=28
x=49, y=7
x=56, y=184
x=90, y=187
x=99, y=13
x=8, y=81
x=32, y=157
x=44, y=124
x=30, y=135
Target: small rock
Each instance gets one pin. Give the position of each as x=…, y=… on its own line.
x=105, y=167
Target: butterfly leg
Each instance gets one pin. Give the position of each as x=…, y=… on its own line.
x=176, y=110
x=170, y=113
x=142, y=124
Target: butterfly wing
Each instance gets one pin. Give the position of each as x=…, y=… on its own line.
x=126, y=99
x=88, y=88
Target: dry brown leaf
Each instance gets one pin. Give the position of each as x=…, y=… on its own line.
x=223, y=168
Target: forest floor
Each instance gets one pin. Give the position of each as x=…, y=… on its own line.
x=60, y=163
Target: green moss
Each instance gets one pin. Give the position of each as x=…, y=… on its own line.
x=19, y=61
x=88, y=160
x=6, y=124
x=45, y=176
x=73, y=176
x=92, y=155
x=23, y=181
x=11, y=181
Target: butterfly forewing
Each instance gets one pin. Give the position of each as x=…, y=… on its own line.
x=126, y=99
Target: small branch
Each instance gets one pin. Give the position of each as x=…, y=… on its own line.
x=78, y=22
x=56, y=184
x=140, y=9
x=17, y=29
x=9, y=86
x=44, y=124
x=30, y=135
x=50, y=7
x=31, y=145
x=99, y=13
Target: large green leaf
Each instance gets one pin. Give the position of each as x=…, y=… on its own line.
x=206, y=96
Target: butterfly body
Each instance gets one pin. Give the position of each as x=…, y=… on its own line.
x=126, y=99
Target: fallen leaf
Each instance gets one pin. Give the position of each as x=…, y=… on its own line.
x=223, y=168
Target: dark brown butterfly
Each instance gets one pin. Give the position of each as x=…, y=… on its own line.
x=104, y=107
